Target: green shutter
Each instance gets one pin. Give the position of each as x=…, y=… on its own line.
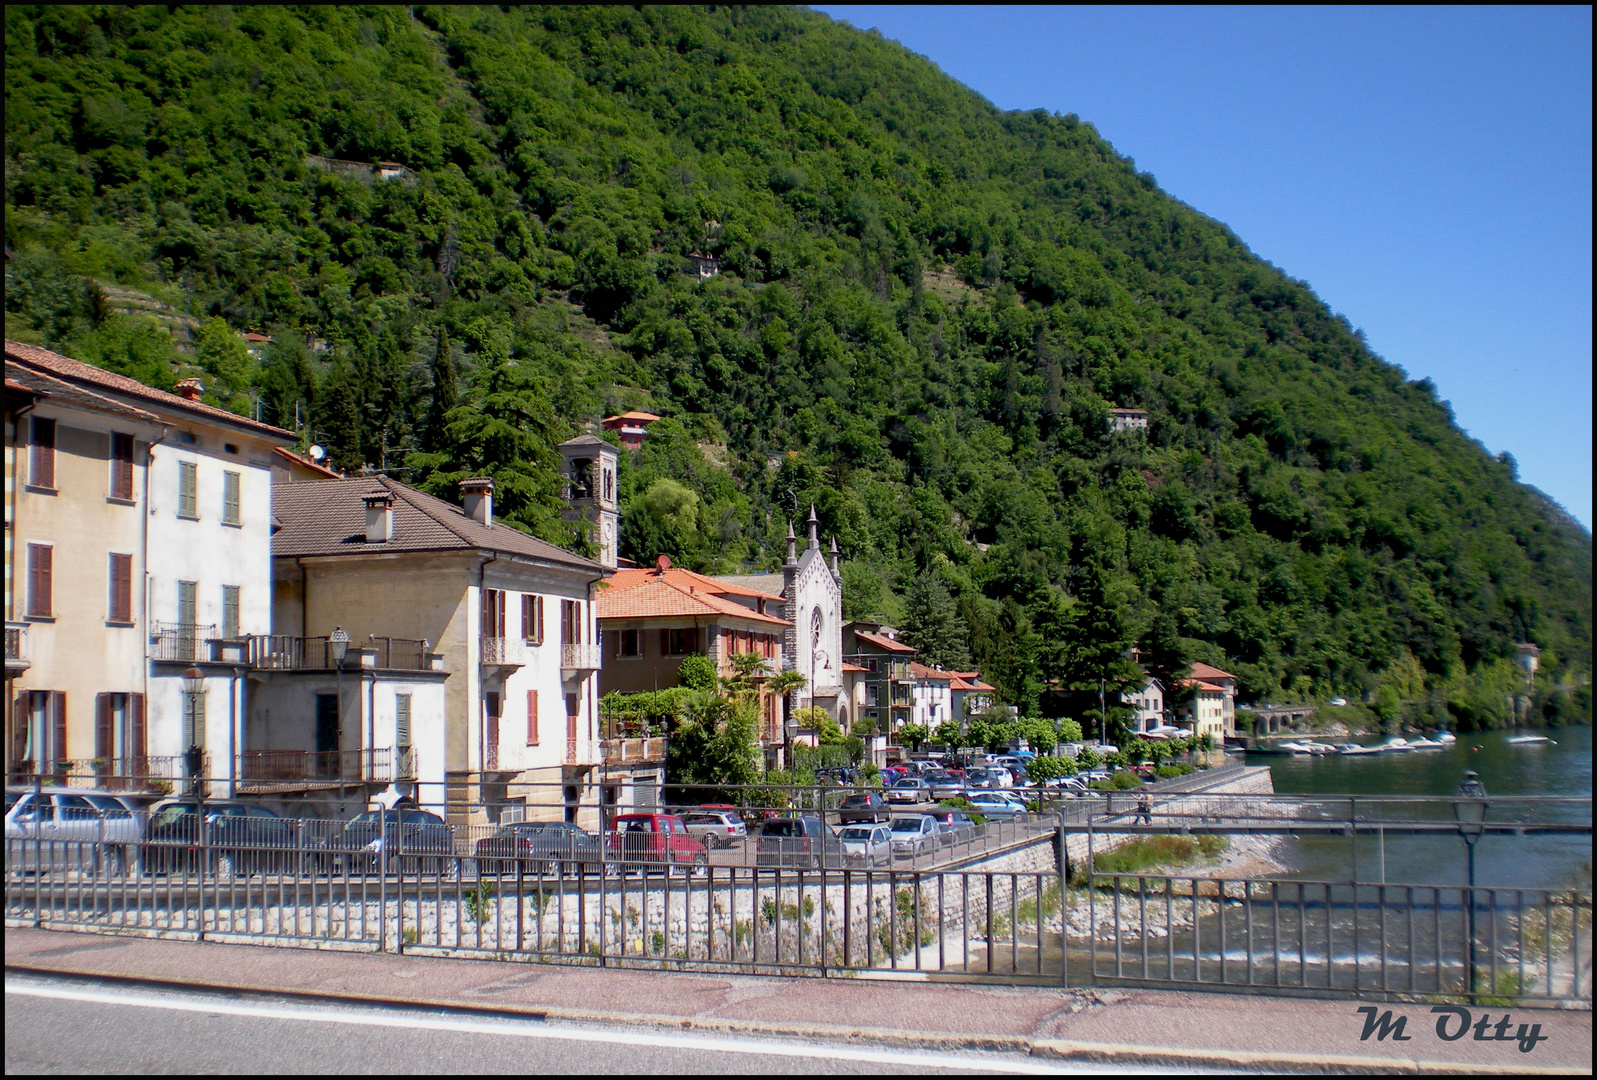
x=188, y=490
x=402, y=720
x=230, y=594
x=230, y=511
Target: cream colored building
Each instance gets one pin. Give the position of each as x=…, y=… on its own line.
x=509, y=617
x=137, y=552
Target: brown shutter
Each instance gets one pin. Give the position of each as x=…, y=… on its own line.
x=532, y=718
x=103, y=741
x=40, y=579
x=526, y=617
x=121, y=588
x=58, y=726
x=665, y=643
x=121, y=466
x=41, y=463
x=134, y=747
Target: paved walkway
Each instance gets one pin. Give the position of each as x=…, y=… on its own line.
x=1227, y=1031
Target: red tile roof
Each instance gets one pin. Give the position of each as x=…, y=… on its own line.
x=633, y=577
x=306, y=463
x=886, y=643
x=61, y=392
x=664, y=597
x=921, y=671
x=75, y=371
x=641, y=417
x=1208, y=671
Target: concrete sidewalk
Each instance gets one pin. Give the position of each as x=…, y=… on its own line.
x=1226, y=1031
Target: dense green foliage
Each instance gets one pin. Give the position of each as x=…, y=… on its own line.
x=924, y=311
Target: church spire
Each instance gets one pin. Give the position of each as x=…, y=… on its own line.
x=792, y=543
x=836, y=572
x=815, y=523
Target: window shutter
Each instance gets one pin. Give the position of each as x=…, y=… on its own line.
x=532, y=718
x=41, y=463
x=121, y=466
x=58, y=726
x=102, y=726
x=402, y=721
x=121, y=572
x=230, y=601
x=135, y=746
x=230, y=497
x=188, y=490
x=40, y=578
x=665, y=643
x=538, y=607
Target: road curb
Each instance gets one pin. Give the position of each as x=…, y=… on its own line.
x=1057, y=1049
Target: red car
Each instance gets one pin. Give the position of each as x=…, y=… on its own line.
x=656, y=839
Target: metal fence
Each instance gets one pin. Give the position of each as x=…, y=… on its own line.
x=548, y=891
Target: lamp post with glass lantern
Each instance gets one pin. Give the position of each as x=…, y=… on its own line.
x=338, y=646
x=1469, y=810
x=193, y=681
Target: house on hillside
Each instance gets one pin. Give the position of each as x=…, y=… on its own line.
x=969, y=695
x=141, y=521
x=1210, y=706
x=633, y=427
x=1128, y=420
x=475, y=688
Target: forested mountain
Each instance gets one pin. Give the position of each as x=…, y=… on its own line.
x=924, y=310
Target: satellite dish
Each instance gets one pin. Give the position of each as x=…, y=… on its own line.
x=317, y=453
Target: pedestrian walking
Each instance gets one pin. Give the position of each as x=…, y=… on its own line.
x=1144, y=810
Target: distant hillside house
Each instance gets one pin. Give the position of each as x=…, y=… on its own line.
x=1128, y=420
x=633, y=427
x=390, y=170
x=1211, y=707
x=702, y=266
x=256, y=343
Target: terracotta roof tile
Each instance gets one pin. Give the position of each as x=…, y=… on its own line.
x=59, y=391
x=306, y=463
x=75, y=371
x=1208, y=671
x=883, y=642
x=921, y=671
x=329, y=518
x=660, y=597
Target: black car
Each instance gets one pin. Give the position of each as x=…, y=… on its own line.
x=867, y=806
x=416, y=840
x=536, y=846
x=238, y=838
x=803, y=841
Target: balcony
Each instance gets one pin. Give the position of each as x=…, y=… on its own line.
x=298, y=770
x=503, y=651
x=899, y=671
x=280, y=652
x=160, y=774
x=633, y=751
x=16, y=647
x=183, y=642
x=578, y=658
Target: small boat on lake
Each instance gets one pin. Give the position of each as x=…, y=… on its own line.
x=1296, y=747
x=1426, y=744
x=1355, y=749
x=1530, y=740
x=1396, y=745
x=1446, y=738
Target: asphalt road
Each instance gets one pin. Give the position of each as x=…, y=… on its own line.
x=84, y=1026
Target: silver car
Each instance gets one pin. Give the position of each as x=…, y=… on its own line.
x=914, y=835
x=715, y=828
x=95, y=830
x=911, y=789
x=866, y=845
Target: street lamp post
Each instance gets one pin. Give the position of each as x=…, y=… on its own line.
x=193, y=680
x=338, y=645
x=1469, y=809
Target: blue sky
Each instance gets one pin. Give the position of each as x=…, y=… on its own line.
x=1426, y=170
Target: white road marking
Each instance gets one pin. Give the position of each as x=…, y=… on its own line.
x=532, y=1029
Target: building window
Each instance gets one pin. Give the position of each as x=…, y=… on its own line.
x=120, y=588
x=682, y=642
x=47, y=728
x=532, y=718
x=230, y=595
x=402, y=721
x=493, y=613
x=631, y=643
x=41, y=577
x=188, y=487
x=532, y=618
x=230, y=509
x=41, y=454
x=570, y=622
x=121, y=466
x=119, y=739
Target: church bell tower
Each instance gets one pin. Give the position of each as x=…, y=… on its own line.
x=588, y=481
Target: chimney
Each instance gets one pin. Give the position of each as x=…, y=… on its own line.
x=478, y=495
x=189, y=389
x=379, y=517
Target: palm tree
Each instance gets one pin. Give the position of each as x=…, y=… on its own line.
x=784, y=683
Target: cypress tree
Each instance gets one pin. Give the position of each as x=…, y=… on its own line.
x=444, y=397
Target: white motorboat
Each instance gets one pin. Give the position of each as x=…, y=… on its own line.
x=1446, y=738
x=1354, y=749
x=1529, y=740
x=1396, y=745
x=1426, y=744
x=1297, y=747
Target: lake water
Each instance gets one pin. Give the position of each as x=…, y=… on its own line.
x=1529, y=861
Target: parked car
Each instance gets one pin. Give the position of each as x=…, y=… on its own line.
x=420, y=839
x=94, y=830
x=993, y=804
x=646, y=841
x=863, y=806
x=913, y=835
x=237, y=838
x=866, y=845
x=716, y=828
x=803, y=841
x=988, y=778
x=951, y=823
x=944, y=786
x=546, y=847
x=911, y=789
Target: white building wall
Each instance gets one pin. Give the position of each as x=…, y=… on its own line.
x=933, y=703
x=817, y=588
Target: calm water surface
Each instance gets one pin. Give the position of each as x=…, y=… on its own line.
x=1529, y=861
